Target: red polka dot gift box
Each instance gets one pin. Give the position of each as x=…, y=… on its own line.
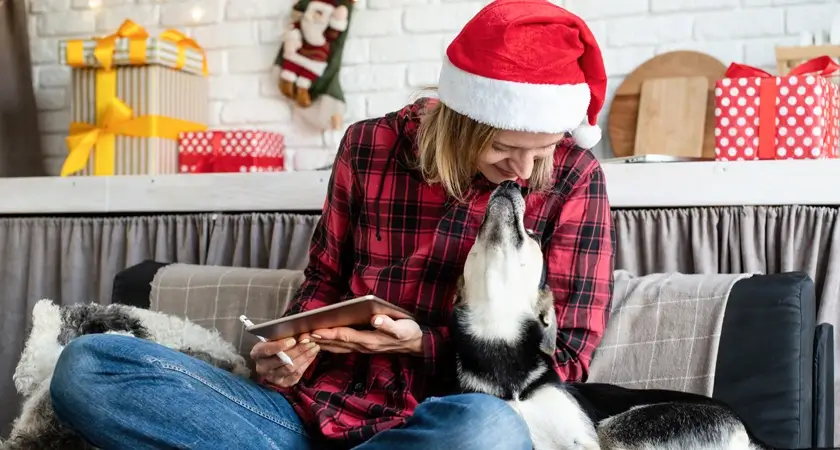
x=218, y=151
x=761, y=116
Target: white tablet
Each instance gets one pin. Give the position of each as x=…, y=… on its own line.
x=355, y=313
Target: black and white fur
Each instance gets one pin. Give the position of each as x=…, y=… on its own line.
x=658, y=419
x=504, y=330
x=36, y=428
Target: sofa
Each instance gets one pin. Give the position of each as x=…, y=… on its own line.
x=772, y=361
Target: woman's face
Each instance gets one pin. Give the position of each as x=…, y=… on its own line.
x=512, y=154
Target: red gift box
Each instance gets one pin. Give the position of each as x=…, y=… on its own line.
x=761, y=116
x=231, y=151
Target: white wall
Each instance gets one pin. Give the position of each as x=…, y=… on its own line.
x=394, y=49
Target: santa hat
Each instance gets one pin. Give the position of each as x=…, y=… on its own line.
x=527, y=65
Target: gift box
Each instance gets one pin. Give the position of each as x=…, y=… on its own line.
x=231, y=151
x=132, y=95
x=761, y=116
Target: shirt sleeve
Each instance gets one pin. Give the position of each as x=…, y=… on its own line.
x=580, y=273
x=437, y=349
x=328, y=272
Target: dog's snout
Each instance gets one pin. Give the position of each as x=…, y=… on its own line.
x=510, y=185
x=503, y=219
x=508, y=189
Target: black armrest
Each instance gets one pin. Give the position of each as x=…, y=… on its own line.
x=824, y=386
x=765, y=364
x=133, y=285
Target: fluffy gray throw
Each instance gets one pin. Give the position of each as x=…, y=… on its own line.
x=53, y=327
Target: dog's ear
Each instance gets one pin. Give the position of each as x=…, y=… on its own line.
x=548, y=318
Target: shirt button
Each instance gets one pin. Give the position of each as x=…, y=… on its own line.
x=359, y=387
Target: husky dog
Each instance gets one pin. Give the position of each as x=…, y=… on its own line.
x=504, y=328
x=504, y=331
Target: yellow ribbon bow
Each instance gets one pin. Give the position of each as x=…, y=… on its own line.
x=104, y=51
x=117, y=120
x=184, y=42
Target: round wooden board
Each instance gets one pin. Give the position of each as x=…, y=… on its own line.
x=624, y=109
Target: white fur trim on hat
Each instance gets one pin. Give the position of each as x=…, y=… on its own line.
x=508, y=105
x=587, y=136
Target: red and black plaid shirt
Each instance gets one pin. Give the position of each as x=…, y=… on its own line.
x=385, y=231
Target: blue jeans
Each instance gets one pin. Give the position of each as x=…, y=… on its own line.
x=122, y=392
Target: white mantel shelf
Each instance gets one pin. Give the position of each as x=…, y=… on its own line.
x=629, y=186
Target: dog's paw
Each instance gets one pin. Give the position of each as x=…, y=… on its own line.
x=589, y=444
x=563, y=441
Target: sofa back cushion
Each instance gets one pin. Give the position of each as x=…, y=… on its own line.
x=649, y=313
x=664, y=331
x=215, y=297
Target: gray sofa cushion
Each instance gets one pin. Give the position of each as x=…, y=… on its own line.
x=664, y=331
x=215, y=297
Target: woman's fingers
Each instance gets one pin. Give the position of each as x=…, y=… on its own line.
x=286, y=376
x=386, y=325
x=270, y=348
x=305, y=359
x=304, y=352
x=347, y=335
x=338, y=347
x=348, y=338
x=273, y=363
x=300, y=349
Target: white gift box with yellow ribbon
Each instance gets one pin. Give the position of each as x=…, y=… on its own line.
x=132, y=94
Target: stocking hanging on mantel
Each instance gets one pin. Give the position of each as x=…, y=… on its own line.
x=309, y=60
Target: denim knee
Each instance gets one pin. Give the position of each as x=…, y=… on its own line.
x=81, y=371
x=486, y=422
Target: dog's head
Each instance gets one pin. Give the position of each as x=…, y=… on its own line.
x=504, y=269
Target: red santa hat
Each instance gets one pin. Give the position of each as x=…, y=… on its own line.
x=527, y=65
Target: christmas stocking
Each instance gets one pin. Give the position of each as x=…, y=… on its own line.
x=310, y=59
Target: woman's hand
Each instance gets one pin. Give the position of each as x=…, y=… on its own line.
x=389, y=336
x=275, y=371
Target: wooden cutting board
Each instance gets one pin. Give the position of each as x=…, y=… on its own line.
x=672, y=116
x=624, y=110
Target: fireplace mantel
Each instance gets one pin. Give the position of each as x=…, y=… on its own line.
x=653, y=185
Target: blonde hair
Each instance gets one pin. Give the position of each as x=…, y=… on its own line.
x=450, y=145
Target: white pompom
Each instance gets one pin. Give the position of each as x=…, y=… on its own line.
x=586, y=136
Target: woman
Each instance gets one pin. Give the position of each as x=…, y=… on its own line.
x=405, y=199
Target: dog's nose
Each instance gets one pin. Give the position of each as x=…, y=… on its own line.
x=510, y=185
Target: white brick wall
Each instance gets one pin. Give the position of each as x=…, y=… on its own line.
x=394, y=49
